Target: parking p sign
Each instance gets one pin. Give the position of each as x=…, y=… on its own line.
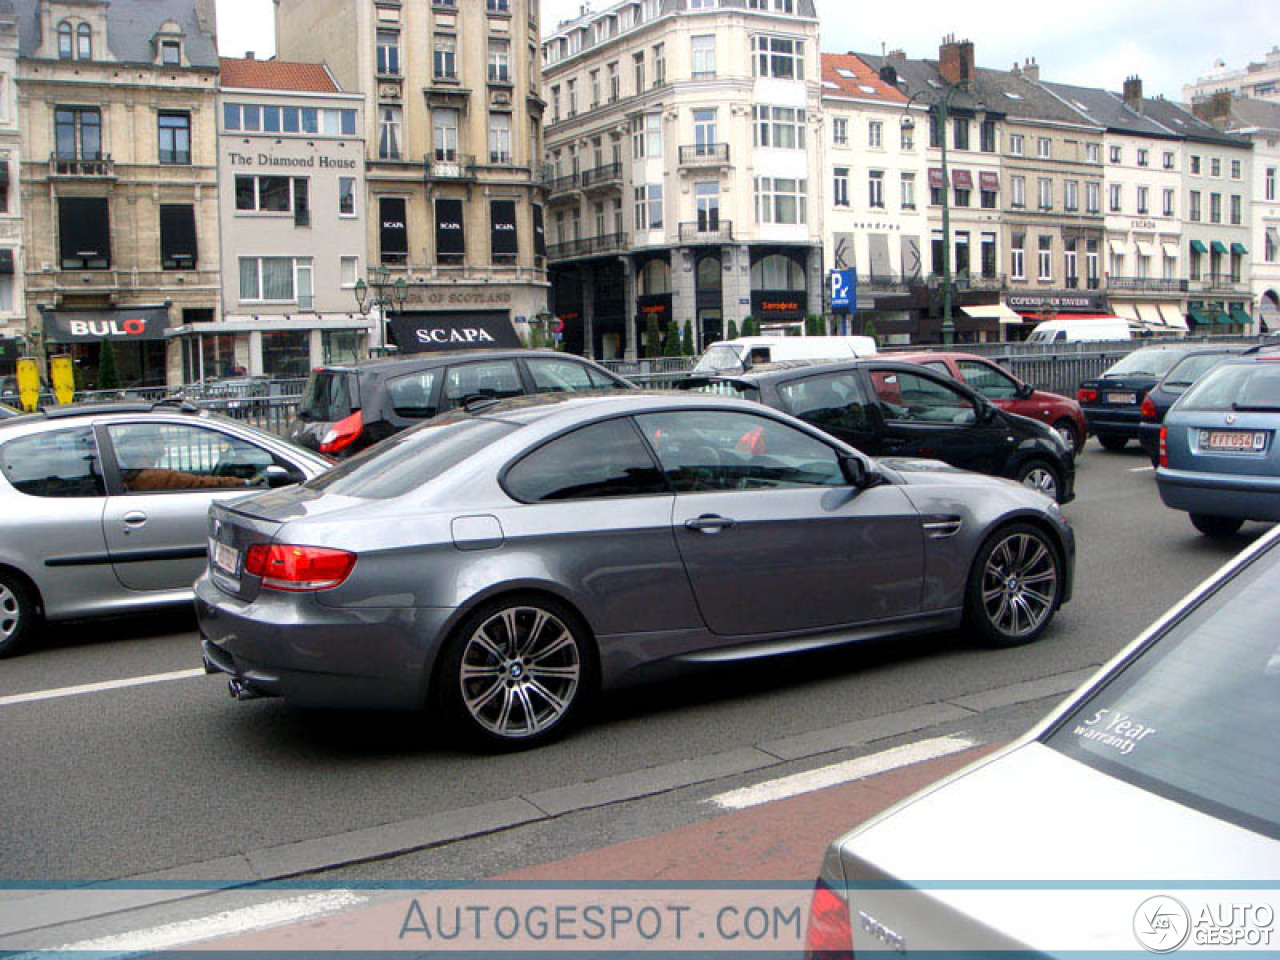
x=844, y=291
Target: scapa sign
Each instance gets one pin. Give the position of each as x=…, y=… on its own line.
x=428, y=332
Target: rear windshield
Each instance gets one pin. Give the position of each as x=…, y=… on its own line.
x=1238, y=386
x=1147, y=362
x=718, y=359
x=729, y=388
x=411, y=459
x=1196, y=716
x=1190, y=370
x=326, y=398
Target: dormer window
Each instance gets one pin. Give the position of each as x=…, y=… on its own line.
x=84, y=42
x=66, y=40
x=171, y=53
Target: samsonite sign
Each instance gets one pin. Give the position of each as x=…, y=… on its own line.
x=433, y=332
x=94, y=326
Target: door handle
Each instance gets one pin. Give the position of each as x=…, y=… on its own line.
x=134, y=520
x=709, y=523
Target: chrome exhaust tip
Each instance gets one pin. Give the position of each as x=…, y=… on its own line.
x=240, y=690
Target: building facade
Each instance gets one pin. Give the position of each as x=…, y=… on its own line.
x=117, y=104
x=1259, y=80
x=685, y=171
x=13, y=326
x=452, y=122
x=294, y=224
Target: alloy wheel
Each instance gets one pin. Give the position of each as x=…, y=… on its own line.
x=520, y=672
x=1020, y=584
x=1042, y=480
x=10, y=613
x=1068, y=434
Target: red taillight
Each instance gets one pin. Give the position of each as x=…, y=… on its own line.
x=283, y=566
x=1164, y=446
x=1085, y=395
x=830, y=933
x=1149, y=409
x=342, y=434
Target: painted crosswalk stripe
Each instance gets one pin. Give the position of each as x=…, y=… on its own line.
x=99, y=687
x=1142, y=470
x=838, y=773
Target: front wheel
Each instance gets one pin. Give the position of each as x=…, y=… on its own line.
x=18, y=615
x=1041, y=477
x=516, y=673
x=1015, y=586
x=1216, y=527
x=1070, y=435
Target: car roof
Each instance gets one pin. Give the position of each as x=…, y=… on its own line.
x=79, y=410
x=530, y=409
x=379, y=365
x=773, y=371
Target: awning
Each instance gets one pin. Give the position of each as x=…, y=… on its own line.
x=962, y=179
x=1149, y=314
x=1219, y=247
x=1197, y=246
x=93, y=326
x=1274, y=236
x=989, y=180
x=1239, y=249
x=1241, y=315
x=1170, y=251
x=1127, y=311
x=935, y=176
x=1173, y=316
x=1117, y=247
x=1146, y=249
x=1198, y=317
x=995, y=311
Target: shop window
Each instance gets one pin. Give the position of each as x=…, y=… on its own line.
x=777, y=271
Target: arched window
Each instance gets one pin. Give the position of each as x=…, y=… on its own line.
x=65, y=50
x=84, y=42
x=709, y=274
x=777, y=271
x=655, y=277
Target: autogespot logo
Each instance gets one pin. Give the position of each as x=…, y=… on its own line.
x=1162, y=924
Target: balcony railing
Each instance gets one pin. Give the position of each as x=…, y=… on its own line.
x=1218, y=281
x=563, y=184
x=588, y=246
x=883, y=282
x=450, y=166
x=699, y=153
x=1147, y=285
x=707, y=231
x=97, y=167
x=600, y=176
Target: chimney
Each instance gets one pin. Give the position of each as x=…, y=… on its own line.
x=889, y=75
x=1215, y=109
x=896, y=57
x=248, y=54
x=955, y=60
x=1133, y=93
x=1031, y=70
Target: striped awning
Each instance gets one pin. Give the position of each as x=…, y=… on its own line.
x=996, y=311
x=1172, y=315
x=1149, y=314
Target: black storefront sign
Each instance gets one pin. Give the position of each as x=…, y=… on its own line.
x=94, y=326
x=421, y=332
x=450, y=237
x=1063, y=302
x=84, y=233
x=393, y=232
x=656, y=305
x=178, y=236
x=779, y=304
x=539, y=232
x=502, y=226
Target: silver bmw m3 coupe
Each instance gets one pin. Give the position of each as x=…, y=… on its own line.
x=501, y=565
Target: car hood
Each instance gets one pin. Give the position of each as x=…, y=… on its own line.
x=1035, y=850
x=922, y=472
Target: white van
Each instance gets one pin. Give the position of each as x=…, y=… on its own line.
x=738, y=356
x=1069, y=330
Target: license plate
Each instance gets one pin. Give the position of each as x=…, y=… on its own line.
x=1122, y=398
x=225, y=558
x=1232, y=440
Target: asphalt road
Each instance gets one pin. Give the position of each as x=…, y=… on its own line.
x=168, y=775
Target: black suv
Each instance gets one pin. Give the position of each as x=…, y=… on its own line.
x=349, y=407
x=895, y=409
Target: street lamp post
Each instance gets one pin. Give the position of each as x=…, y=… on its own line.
x=379, y=294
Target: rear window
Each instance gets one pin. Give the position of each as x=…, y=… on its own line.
x=1190, y=370
x=1147, y=362
x=411, y=459
x=729, y=388
x=1196, y=716
x=326, y=399
x=1238, y=386
x=718, y=359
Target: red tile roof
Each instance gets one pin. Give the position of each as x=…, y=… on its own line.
x=277, y=75
x=865, y=84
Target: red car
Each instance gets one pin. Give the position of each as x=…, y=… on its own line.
x=1008, y=392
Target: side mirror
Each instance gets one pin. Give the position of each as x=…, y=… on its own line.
x=986, y=413
x=855, y=471
x=278, y=476
x=1025, y=390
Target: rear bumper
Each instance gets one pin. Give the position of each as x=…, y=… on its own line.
x=1105, y=421
x=288, y=645
x=1220, y=495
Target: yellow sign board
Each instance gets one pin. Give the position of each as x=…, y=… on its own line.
x=28, y=384
x=63, y=376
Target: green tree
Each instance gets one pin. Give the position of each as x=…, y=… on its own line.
x=108, y=374
x=671, y=342
x=815, y=326
x=686, y=342
x=733, y=330
x=750, y=327
x=869, y=328
x=652, y=337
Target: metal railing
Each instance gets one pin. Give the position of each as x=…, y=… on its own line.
x=599, y=176
x=1147, y=285
x=98, y=167
x=707, y=231
x=456, y=166
x=698, y=153
x=563, y=184
x=587, y=246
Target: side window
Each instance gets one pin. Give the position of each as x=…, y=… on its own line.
x=563, y=376
x=937, y=366
x=157, y=457
x=714, y=450
x=497, y=378
x=62, y=463
x=911, y=398
x=833, y=401
x=413, y=396
x=603, y=460
x=991, y=382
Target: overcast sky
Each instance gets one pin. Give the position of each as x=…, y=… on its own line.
x=1089, y=42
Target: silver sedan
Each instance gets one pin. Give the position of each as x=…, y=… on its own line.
x=504, y=564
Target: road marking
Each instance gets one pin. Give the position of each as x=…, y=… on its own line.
x=228, y=923
x=838, y=773
x=1142, y=469
x=83, y=688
